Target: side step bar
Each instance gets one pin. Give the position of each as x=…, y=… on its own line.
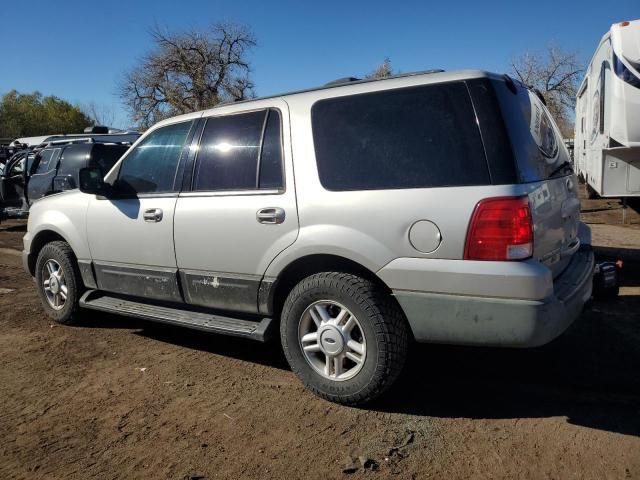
x=260, y=331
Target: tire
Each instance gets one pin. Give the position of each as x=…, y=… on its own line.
x=59, y=253
x=379, y=329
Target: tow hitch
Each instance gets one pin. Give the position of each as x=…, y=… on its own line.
x=606, y=279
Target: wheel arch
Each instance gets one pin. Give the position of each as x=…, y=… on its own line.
x=41, y=239
x=273, y=294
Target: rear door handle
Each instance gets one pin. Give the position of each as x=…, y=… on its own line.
x=270, y=215
x=152, y=215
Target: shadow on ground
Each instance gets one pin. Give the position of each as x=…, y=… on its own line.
x=591, y=374
x=269, y=354
x=19, y=227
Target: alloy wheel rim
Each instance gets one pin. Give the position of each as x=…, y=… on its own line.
x=332, y=340
x=54, y=284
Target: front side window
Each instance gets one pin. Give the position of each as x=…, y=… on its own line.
x=17, y=168
x=240, y=152
x=414, y=137
x=151, y=166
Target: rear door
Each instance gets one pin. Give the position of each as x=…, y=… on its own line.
x=41, y=180
x=241, y=210
x=543, y=163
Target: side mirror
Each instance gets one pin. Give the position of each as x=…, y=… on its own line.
x=91, y=181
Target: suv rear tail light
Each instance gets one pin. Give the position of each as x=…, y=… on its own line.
x=500, y=229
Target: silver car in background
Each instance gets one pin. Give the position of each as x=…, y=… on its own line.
x=352, y=219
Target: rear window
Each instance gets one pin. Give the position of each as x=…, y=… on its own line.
x=406, y=138
x=106, y=156
x=535, y=139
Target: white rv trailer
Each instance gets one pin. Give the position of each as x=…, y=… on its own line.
x=607, y=135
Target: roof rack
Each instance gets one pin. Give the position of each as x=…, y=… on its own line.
x=62, y=141
x=341, y=81
x=347, y=80
x=80, y=140
x=336, y=83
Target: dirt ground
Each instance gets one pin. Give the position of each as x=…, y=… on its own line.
x=120, y=398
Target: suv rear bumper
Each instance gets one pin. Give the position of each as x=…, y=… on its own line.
x=505, y=322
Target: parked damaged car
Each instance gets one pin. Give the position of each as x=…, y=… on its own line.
x=53, y=167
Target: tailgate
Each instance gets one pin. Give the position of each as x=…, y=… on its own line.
x=555, y=208
x=544, y=165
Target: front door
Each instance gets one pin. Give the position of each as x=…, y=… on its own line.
x=130, y=231
x=241, y=210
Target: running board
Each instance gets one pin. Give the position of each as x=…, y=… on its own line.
x=260, y=331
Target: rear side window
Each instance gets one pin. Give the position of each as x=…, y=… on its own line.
x=536, y=141
x=240, y=152
x=271, y=164
x=407, y=138
x=45, y=159
x=106, y=156
x=151, y=166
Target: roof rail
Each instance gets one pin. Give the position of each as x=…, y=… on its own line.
x=335, y=83
x=347, y=80
x=340, y=81
x=63, y=141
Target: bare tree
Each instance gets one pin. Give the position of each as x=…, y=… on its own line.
x=99, y=114
x=383, y=70
x=556, y=74
x=188, y=71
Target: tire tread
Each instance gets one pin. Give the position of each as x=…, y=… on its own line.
x=389, y=324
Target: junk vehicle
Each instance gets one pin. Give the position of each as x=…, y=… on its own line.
x=53, y=167
x=343, y=221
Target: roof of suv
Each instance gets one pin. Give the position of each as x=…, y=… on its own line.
x=345, y=86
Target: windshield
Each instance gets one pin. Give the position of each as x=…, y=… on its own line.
x=536, y=141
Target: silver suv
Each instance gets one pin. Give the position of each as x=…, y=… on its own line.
x=355, y=218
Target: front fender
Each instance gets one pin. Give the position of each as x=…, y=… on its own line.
x=64, y=215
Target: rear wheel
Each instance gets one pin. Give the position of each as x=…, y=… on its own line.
x=344, y=337
x=59, y=282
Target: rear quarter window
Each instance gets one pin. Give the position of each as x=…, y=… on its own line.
x=414, y=137
x=537, y=144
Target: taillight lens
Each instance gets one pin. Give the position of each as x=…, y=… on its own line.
x=500, y=229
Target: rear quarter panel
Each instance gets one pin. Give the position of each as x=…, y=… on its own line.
x=372, y=226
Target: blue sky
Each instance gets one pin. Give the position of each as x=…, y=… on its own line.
x=78, y=50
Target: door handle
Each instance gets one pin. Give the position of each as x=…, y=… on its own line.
x=152, y=215
x=270, y=215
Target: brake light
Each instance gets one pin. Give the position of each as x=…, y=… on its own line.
x=500, y=229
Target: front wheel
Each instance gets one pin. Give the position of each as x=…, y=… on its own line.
x=59, y=282
x=344, y=337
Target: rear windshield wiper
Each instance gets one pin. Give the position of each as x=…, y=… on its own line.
x=562, y=166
